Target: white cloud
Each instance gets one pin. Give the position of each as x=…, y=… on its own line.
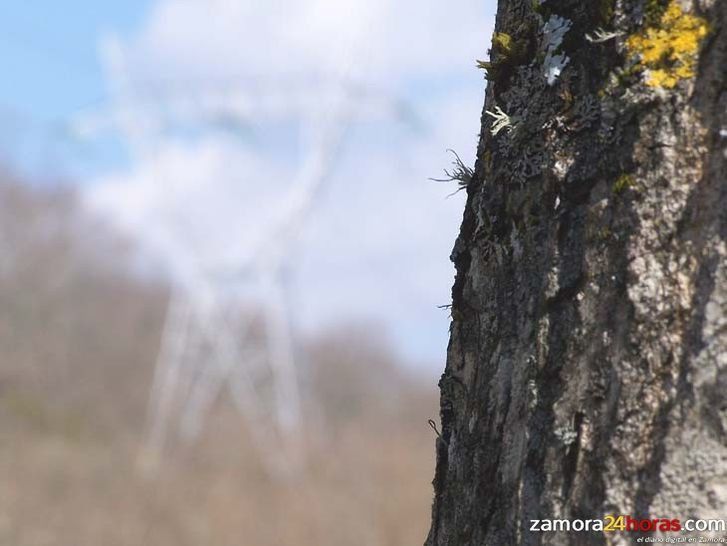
x=379, y=240
x=389, y=39
x=193, y=203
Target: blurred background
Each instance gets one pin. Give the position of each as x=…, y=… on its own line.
x=223, y=266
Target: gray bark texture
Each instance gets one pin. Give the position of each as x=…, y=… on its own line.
x=587, y=364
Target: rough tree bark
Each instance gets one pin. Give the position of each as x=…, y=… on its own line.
x=587, y=367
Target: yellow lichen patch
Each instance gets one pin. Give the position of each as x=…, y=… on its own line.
x=668, y=50
x=623, y=182
x=502, y=42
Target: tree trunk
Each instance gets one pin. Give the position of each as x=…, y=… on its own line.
x=586, y=369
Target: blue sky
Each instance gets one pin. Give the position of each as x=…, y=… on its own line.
x=151, y=82
x=49, y=54
x=50, y=59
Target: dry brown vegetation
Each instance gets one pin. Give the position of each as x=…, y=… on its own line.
x=78, y=338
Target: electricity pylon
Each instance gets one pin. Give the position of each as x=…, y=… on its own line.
x=212, y=338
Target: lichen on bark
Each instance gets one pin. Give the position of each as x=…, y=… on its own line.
x=668, y=50
x=589, y=301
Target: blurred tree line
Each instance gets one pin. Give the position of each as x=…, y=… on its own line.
x=79, y=333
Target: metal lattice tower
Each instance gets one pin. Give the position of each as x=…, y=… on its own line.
x=212, y=338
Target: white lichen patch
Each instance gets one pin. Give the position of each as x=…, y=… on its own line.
x=502, y=121
x=599, y=36
x=566, y=435
x=554, y=66
x=554, y=30
x=561, y=167
x=533, y=394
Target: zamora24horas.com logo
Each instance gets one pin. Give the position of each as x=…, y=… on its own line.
x=620, y=523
